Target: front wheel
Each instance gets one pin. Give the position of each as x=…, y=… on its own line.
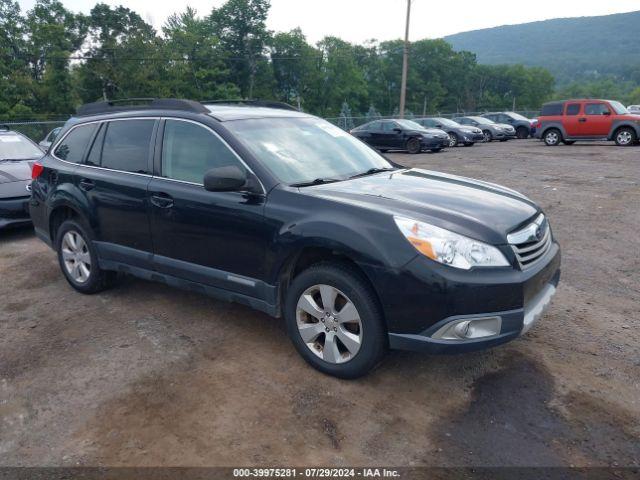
x=552, y=137
x=625, y=136
x=487, y=136
x=453, y=139
x=522, y=133
x=414, y=146
x=334, y=320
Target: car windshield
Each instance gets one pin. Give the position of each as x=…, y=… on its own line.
x=409, y=124
x=446, y=122
x=517, y=116
x=300, y=150
x=618, y=108
x=17, y=147
x=482, y=120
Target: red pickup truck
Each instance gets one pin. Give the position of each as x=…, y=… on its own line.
x=570, y=120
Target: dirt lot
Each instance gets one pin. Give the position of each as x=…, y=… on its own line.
x=146, y=375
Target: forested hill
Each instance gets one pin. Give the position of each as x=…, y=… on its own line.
x=573, y=49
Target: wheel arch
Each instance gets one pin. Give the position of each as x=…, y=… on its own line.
x=616, y=128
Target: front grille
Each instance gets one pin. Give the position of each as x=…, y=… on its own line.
x=531, y=242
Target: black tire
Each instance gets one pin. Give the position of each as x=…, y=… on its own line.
x=504, y=139
x=522, y=133
x=470, y=144
x=436, y=150
x=413, y=146
x=552, y=137
x=348, y=281
x=454, y=139
x=488, y=136
x=625, y=137
x=568, y=142
x=97, y=279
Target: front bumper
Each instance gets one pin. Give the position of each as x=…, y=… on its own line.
x=14, y=212
x=426, y=297
x=428, y=143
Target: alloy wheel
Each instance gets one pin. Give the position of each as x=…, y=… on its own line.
x=329, y=324
x=487, y=135
x=552, y=138
x=624, y=137
x=76, y=256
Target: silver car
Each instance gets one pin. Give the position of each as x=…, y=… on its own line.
x=635, y=109
x=490, y=129
x=46, y=142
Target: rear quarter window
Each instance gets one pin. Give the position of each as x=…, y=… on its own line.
x=73, y=146
x=552, y=109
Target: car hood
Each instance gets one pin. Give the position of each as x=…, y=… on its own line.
x=470, y=130
x=477, y=209
x=15, y=171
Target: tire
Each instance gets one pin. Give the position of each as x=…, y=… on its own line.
x=383, y=150
x=340, y=283
x=625, y=137
x=454, y=140
x=413, y=146
x=75, y=248
x=504, y=139
x=568, y=142
x=552, y=137
x=522, y=133
x=471, y=144
x=488, y=136
x=436, y=150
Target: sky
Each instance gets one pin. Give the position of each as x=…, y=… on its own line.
x=361, y=20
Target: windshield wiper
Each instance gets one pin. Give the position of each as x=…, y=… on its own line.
x=372, y=171
x=317, y=181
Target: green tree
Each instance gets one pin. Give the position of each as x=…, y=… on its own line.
x=241, y=27
x=293, y=61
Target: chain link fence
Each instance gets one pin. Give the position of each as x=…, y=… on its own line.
x=37, y=130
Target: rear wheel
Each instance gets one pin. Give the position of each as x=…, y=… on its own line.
x=522, y=133
x=413, y=145
x=487, y=135
x=552, y=137
x=453, y=139
x=78, y=259
x=334, y=320
x=625, y=137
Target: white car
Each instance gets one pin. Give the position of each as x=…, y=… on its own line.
x=50, y=138
x=635, y=109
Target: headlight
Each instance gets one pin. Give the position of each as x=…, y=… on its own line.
x=428, y=135
x=449, y=248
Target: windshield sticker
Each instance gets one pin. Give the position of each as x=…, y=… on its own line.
x=331, y=129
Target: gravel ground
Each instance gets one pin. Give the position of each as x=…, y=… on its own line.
x=146, y=375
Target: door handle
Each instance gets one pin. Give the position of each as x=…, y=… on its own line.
x=86, y=184
x=582, y=120
x=162, y=200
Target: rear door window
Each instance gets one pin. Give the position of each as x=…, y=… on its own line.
x=73, y=147
x=596, y=109
x=573, y=109
x=127, y=145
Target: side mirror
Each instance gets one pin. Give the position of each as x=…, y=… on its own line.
x=397, y=130
x=225, y=179
x=606, y=112
x=438, y=126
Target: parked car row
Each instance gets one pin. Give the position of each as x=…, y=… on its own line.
x=568, y=121
x=436, y=133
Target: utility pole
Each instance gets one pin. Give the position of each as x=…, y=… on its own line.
x=405, y=63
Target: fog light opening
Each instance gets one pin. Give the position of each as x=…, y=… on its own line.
x=469, y=329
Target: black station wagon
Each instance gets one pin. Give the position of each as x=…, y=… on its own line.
x=269, y=207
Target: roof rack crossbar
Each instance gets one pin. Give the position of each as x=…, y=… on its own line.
x=113, y=106
x=252, y=103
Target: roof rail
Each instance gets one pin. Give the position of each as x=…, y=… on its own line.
x=252, y=103
x=113, y=106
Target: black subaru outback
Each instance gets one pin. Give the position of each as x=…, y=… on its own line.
x=282, y=211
